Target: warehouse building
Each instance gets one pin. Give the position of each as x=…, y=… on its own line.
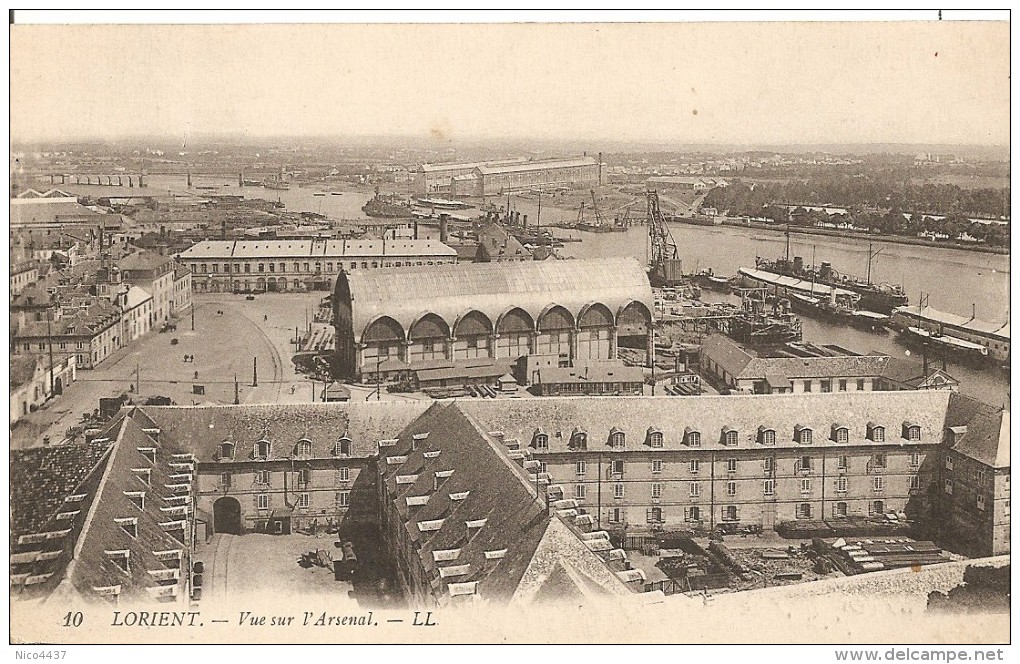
x=392, y=321
x=271, y=265
x=500, y=179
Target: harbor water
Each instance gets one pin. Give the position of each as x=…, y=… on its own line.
x=955, y=279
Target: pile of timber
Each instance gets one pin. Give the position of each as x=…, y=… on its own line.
x=856, y=556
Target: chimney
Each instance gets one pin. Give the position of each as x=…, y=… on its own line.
x=444, y=220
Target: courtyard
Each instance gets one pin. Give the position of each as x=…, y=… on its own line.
x=225, y=346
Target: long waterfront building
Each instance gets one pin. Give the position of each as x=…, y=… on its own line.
x=231, y=266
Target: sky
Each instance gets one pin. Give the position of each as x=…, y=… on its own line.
x=747, y=83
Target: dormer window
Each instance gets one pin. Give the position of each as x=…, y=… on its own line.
x=137, y=497
x=121, y=559
x=802, y=435
x=149, y=453
x=876, y=432
x=840, y=433
x=418, y=440
x=579, y=439
x=654, y=438
x=730, y=436
x=262, y=450
x=304, y=448
x=540, y=440
x=617, y=440
x=130, y=525
x=343, y=447
x=692, y=438
x=911, y=431
x=766, y=436
x=226, y=450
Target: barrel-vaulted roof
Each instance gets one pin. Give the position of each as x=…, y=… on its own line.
x=493, y=288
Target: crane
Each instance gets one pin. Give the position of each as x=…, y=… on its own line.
x=665, y=265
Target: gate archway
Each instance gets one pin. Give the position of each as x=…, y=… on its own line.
x=227, y=516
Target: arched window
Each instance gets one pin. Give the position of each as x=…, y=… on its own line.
x=841, y=509
x=911, y=431
x=803, y=435
x=654, y=438
x=692, y=438
x=304, y=447
x=343, y=447
x=765, y=436
x=840, y=434
x=262, y=449
x=876, y=432
x=804, y=511
x=617, y=440
x=226, y=450
x=730, y=437
x=579, y=439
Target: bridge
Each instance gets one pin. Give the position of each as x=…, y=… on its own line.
x=116, y=180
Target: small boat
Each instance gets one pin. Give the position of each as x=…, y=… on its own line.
x=319, y=193
x=336, y=193
x=869, y=320
x=441, y=203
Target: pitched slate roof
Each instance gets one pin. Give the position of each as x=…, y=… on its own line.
x=201, y=429
x=22, y=370
x=987, y=436
x=559, y=416
x=476, y=517
x=744, y=365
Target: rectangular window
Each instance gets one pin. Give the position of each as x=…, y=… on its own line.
x=841, y=484
x=731, y=488
x=247, y=268
x=731, y=465
x=804, y=463
x=805, y=485
x=262, y=267
x=343, y=474
x=695, y=489
x=616, y=467
x=842, y=384
x=880, y=461
x=617, y=491
x=842, y=462
x=949, y=486
x=807, y=385
x=879, y=483
x=915, y=482
x=615, y=515
x=770, y=487
x=580, y=491
x=695, y=465
x=915, y=459
x=302, y=500
x=767, y=464
x=949, y=463
x=581, y=467
x=656, y=490
x=343, y=498
x=860, y=384
x=981, y=503
x=826, y=386
x=262, y=476
x=263, y=501
x=657, y=466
